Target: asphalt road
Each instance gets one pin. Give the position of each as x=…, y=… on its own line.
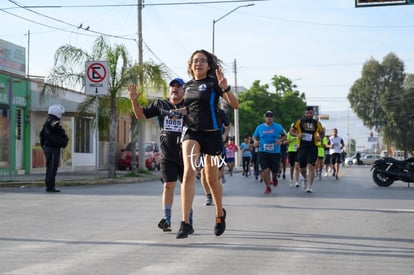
x=349, y=226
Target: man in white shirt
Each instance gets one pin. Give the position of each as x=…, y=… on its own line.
x=336, y=143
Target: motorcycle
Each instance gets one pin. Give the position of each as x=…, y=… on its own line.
x=387, y=170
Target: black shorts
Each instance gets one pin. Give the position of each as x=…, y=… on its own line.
x=327, y=160
x=335, y=158
x=269, y=160
x=292, y=157
x=171, y=171
x=307, y=155
x=211, y=142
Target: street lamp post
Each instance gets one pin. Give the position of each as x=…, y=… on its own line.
x=236, y=111
x=215, y=21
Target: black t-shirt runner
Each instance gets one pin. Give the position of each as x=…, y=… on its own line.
x=201, y=98
x=171, y=128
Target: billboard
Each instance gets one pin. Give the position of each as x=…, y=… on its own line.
x=12, y=58
x=371, y=3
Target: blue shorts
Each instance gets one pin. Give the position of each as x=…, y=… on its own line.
x=229, y=160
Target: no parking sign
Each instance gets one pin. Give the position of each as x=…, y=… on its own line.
x=96, y=78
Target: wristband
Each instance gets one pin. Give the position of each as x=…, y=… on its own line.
x=227, y=89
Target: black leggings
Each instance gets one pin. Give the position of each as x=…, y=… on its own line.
x=246, y=163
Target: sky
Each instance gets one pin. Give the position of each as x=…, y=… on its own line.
x=320, y=45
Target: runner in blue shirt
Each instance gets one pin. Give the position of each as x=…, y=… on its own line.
x=268, y=136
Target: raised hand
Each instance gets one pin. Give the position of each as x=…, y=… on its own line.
x=222, y=81
x=132, y=92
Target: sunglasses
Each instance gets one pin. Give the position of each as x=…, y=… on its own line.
x=269, y=115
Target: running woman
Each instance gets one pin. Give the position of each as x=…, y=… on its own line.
x=203, y=135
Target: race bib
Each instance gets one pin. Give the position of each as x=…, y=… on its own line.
x=173, y=125
x=307, y=137
x=269, y=146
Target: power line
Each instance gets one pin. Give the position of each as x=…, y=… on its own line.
x=143, y=5
x=87, y=29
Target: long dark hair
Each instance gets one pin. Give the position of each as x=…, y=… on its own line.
x=212, y=60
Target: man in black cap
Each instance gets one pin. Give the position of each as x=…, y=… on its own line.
x=170, y=117
x=268, y=137
x=309, y=131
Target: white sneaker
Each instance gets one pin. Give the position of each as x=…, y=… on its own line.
x=291, y=183
x=326, y=174
x=309, y=189
x=297, y=184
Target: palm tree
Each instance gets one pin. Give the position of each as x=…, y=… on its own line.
x=69, y=71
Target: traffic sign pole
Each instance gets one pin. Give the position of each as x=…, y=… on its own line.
x=96, y=84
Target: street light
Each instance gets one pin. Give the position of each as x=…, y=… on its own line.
x=233, y=10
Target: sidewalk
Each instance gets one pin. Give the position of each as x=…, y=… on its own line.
x=76, y=178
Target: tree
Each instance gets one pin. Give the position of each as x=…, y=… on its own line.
x=69, y=71
x=286, y=103
x=282, y=84
x=382, y=99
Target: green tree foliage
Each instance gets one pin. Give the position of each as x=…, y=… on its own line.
x=69, y=71
x=286, y=103
x=383, y=98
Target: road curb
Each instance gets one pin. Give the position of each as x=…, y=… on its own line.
x=79, y=182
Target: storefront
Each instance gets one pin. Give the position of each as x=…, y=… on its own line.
x=14, y=95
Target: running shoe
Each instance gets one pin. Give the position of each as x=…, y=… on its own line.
x=291, y=183
x=309, y=189
x=209, y=200
x=284, y=176
x=297, y=184
x=275, y=181
x=164, y=225
x=268, y=190
x=185, y=230
x=220, y=224
x=304, y=183
x=223, y=180
x=336, y=177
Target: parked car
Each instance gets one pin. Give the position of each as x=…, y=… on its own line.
x=152, y=156
x=352, y=159
x=368, y=159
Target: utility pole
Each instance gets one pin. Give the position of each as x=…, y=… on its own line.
x=236, y=113
x=140, y=124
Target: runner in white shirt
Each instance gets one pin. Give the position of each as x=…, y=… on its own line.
x=336, y=143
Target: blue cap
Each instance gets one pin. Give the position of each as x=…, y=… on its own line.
x=177, y=80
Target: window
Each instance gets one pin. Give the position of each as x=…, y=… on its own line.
x=19, y=123
x=83, y=135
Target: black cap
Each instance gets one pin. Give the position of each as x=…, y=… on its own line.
x=269, y=113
